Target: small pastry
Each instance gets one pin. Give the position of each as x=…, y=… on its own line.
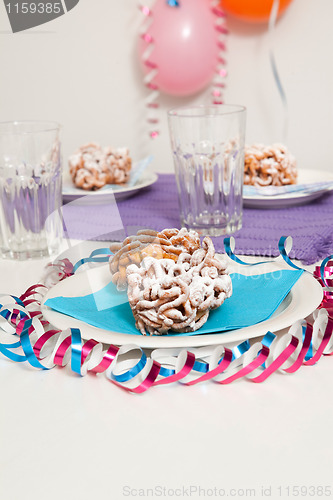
x=166, y=295
x=269, y=166
x=92, y=167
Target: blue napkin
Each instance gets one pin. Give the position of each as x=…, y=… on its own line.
x=254, y=299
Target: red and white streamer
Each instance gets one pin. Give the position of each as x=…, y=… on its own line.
x=152, y=98
x=219, y=80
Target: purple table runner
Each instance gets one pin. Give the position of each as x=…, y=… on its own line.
x=311, y=225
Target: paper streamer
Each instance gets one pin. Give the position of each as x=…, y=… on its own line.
x=152, y=98
x=324, y=274
x=218, y=84
x=130, y=368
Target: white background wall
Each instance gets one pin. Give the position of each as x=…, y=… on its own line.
x=82, y=70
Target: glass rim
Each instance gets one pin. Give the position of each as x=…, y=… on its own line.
x=45, y=126
x=182, y=111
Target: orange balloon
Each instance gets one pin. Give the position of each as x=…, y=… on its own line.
x=255, y=11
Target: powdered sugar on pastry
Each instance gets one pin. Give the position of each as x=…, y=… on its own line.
x=177, y=295
x=92, y=166
x=269, y=165
x=167, y=244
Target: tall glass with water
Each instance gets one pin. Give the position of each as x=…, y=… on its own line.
x=30, y=189
x=208, y=151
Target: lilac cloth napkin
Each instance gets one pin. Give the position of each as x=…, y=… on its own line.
x=310, y=225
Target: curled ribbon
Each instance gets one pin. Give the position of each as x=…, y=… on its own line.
x=285, y=245
x=324, y=274
x=152, y=99
x=130, y=368
x=218, y=83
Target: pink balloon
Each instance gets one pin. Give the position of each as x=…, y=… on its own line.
x=185, y=46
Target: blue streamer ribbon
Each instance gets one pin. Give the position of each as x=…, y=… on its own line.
x=76, y=354
x=5, y=350
x=309, y=353
x=322, y=270
x=27, y=347
x=283, y=253
x=282, y=241
x=95, y=256
x=267, y=342
x=201, y=366
x=166, y=372
x=240, y=349
x=268, y=339
x=132, y=372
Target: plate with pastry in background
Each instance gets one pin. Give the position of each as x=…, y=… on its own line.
x=272, y=179
x=95, y=170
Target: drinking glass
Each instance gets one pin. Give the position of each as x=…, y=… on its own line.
x=208, y=152
x=30, y=189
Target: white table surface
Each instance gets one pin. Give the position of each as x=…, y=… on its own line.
x=71, y=437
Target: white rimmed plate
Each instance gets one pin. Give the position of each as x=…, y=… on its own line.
x=307, y=177
x=303, y=299
x=71, y=193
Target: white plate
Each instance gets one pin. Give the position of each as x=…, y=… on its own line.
x=303, y=299
x=291, y=199
x=70, y=192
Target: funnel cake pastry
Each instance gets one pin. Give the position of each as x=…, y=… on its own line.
x=92, y=166
x=269, y=166
x=167, y=295
x=170, y=286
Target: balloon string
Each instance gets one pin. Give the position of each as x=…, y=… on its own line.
x=277, y=79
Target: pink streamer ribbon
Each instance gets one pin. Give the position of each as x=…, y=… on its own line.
x=218, y=83
x=152, y=102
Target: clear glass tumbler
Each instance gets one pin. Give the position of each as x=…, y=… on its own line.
x=30, y=189
x=208, y=151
